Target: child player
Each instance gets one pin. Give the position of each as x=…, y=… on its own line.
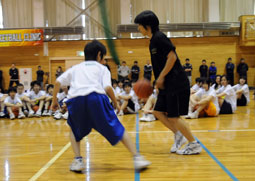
x=173, y=84
x=12, y=101
x=89, y=107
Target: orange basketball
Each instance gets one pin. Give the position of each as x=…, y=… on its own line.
x=143, y=88
x=35, y=108
x=15, y=111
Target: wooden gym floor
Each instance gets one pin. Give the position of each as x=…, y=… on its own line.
x=39, y=149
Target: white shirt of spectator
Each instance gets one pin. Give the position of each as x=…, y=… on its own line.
x=85, y=78
x=15, y=101
x=61, y=96
x=134, y=99
x=230, y=96
x=213, y=86
x=211, y=92
x=32, y=95
x=245, y=89
x=21, y=95
x=123, y=71
x=195, y=87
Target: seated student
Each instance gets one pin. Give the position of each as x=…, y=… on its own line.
x=114, y=86
x=217, y=83
x=119, y=88
x=204, y=103
x=23, y=97
x=48, y=100
x=37, y=98
x=242, y=92
x=149, y=106
x=128, y=100
x=12, y=101
x=62, y=111
x=196, y=86
x=2, y=98
x=227, y=97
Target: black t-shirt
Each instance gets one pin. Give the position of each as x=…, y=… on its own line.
x=230, y=68
x=203, y=69
x=14, y=73
x=135, y=70
x=160, y=47
x=187, y=66
x=147, y=69
x=40, y=74
x=242, y=69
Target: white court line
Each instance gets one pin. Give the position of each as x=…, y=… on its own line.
x=199, y=131
x=47, y=165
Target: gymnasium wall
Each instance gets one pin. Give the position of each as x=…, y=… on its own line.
x=216, y=49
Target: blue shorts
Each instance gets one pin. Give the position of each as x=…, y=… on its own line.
x=94, y=111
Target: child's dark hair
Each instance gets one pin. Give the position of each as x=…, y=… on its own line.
x=91, y=50
x=32, y=85
x=212, y=62
x=37, y=83
x=187, y=59
x=20, y=85
x=216, y=84
x=12, y=89
x=204, y=60
x=198, y=79
x=206, y=81
x=127, y=84
x=229, y=58
x=114, y=81
x=49, y=86
x=148, y=18
x=135, y=61
x=244, y=78
x=225, y=78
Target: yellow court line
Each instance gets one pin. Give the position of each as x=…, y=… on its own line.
x=47, y=165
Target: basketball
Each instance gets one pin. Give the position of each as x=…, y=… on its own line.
x=35, y=108
x=15, y=111
x=143, y=88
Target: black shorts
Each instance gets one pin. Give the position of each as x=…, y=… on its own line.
x=226, y=108
x=174, y=104
x=131, y=105
x=242, y=101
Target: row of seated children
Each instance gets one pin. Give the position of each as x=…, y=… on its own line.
x=129, y=102
x=220, y=98
x=33, y=103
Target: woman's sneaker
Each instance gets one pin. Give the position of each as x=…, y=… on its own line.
x=77, y=165
x=179, y=140
x=192, y=148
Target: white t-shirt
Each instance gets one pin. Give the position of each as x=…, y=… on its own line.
x=21, y=95
x=32, y=95
x=213, y=86
x=118, y=90
x=61, y=96
x=134, y=98
x=195, y=87
x=85, y=78
x=245, y=89
x=16, y=100
x=1, y=95
x=230, y=96
x=48, y=95
x=210, y=92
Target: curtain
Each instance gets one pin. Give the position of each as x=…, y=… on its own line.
x=230, y=10
x=17, y=13
x=173, y=11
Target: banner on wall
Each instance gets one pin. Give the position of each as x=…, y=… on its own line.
x=23, y=37
x=25, y=77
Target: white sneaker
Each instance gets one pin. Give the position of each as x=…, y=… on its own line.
x=179, y=140
x=25, y=112
x=151, y=117
x=192, y=148
x=58, y=115
x=49, y=113
x=31, y=114
x=45, y=113
x=140, y=162
x=144, y=117
x=12, y=116
x=193, y=115
x=2, y=114
x=65, y=116
x=21, y=115
x=38, y=114
x=77, y=165
x=121, y=113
